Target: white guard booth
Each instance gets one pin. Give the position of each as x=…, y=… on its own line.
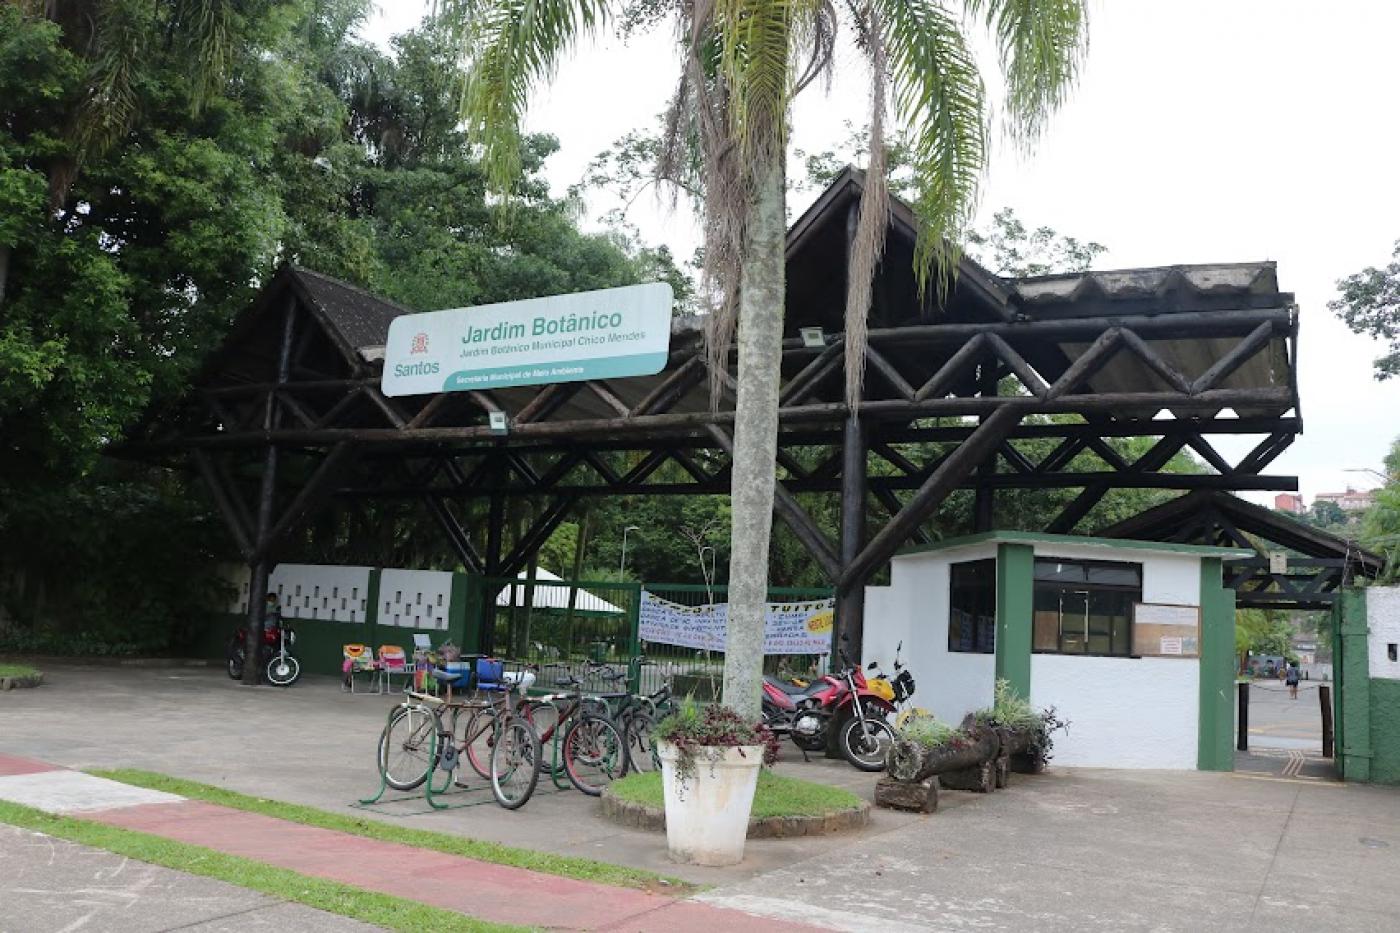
x=1131, y=641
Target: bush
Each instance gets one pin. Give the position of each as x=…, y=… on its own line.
x=691, y=728
x=932, y=733
x=1009, y=710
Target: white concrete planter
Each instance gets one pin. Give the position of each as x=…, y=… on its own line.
x=707, y=813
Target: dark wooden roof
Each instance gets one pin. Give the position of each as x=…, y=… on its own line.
x=1175, y=519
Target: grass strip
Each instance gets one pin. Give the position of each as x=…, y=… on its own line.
x=17, y=670
x=384, y=910
x=567, y=866
x=777, y=795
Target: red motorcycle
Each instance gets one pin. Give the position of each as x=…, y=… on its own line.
x=282, y=667
x=845, y=701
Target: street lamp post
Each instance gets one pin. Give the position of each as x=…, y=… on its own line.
x=622, y=564
x=1384, y=478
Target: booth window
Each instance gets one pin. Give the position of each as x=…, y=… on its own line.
x=972, y=606
x=1085, y=607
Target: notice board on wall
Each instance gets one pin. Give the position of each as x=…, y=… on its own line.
x=1163, y=630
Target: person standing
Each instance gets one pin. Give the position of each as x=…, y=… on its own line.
x=1291, y=679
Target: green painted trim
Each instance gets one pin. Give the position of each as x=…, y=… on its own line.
x=1215, y=724
x=461, y=609
x=1015, y=587
x=372, y=607
x=1353, y=679
x=1385, y=730
x=634, y=636
x=1033, y=538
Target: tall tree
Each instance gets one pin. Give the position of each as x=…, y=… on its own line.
x=743, y=61
x=1369, y=303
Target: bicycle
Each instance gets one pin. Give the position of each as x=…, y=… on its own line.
x=419, y=737
x=581, y=735
x=637, y=714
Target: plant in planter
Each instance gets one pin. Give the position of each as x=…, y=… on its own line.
x=1029, y=734
x=710, y=760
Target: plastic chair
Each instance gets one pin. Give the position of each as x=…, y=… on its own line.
x=394, y=662
x=359, y=659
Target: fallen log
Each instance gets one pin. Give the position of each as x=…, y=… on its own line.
x=915, y=796
x=911, y=761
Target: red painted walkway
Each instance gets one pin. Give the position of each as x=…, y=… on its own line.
x=484, y=890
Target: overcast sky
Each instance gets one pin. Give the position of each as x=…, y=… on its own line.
x=1201, y=131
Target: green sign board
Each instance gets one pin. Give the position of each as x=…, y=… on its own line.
x=602, y=334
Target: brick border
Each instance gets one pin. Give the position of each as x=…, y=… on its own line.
x=641, y=816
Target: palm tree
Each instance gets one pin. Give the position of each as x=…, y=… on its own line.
x=743, y=61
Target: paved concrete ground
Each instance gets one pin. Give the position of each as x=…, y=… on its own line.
x=1070, y=850
x=315, y=745
x=1278, y=721
x=48, y=885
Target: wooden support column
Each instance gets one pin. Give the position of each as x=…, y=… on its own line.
x=984, y=501
x=495, y=531
x=850, y=597
x=956, y=467
x=261, y=565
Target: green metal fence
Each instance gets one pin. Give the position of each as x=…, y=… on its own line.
x=563, y=625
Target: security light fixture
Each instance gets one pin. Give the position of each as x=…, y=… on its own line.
x=813, y=337
x=500, y=424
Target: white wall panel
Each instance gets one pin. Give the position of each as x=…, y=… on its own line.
x=416, y=599
x=1123, y=712
x=914, y=609
x=321, y=591
x=1383, y=623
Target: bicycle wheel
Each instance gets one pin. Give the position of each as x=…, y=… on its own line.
x=515, y=757
x=641, y=745
x=595, y=754
x=407, y=746
x=543, y=717
x=478, y=738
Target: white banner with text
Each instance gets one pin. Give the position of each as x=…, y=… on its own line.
x=790, y=628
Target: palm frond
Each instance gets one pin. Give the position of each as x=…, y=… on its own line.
x=508, y=46
x=1042, y=44
x=116, y=53
x=872, y=225
x=940, y=98
x=207, y=28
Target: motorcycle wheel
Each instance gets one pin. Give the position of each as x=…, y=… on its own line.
x=866, y=749
x=283, y=670
x=234, y=664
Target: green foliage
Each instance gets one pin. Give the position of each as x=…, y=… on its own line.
x=1380, y=526
x=1008, y=710
x=379, y=910
x=775, y=796
x=931, y=732
x=116, y=565
x=264, y=132
x=1009, y=248
x=1262, y=632
x=566, y=866
x=1369, y=304
x=693, y=727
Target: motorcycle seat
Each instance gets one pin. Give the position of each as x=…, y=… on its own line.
x=792, y=690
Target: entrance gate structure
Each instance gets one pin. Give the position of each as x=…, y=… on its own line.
x=287, y=415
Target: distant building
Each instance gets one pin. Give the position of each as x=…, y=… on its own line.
x=1353, y=500
x=1289, y=502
